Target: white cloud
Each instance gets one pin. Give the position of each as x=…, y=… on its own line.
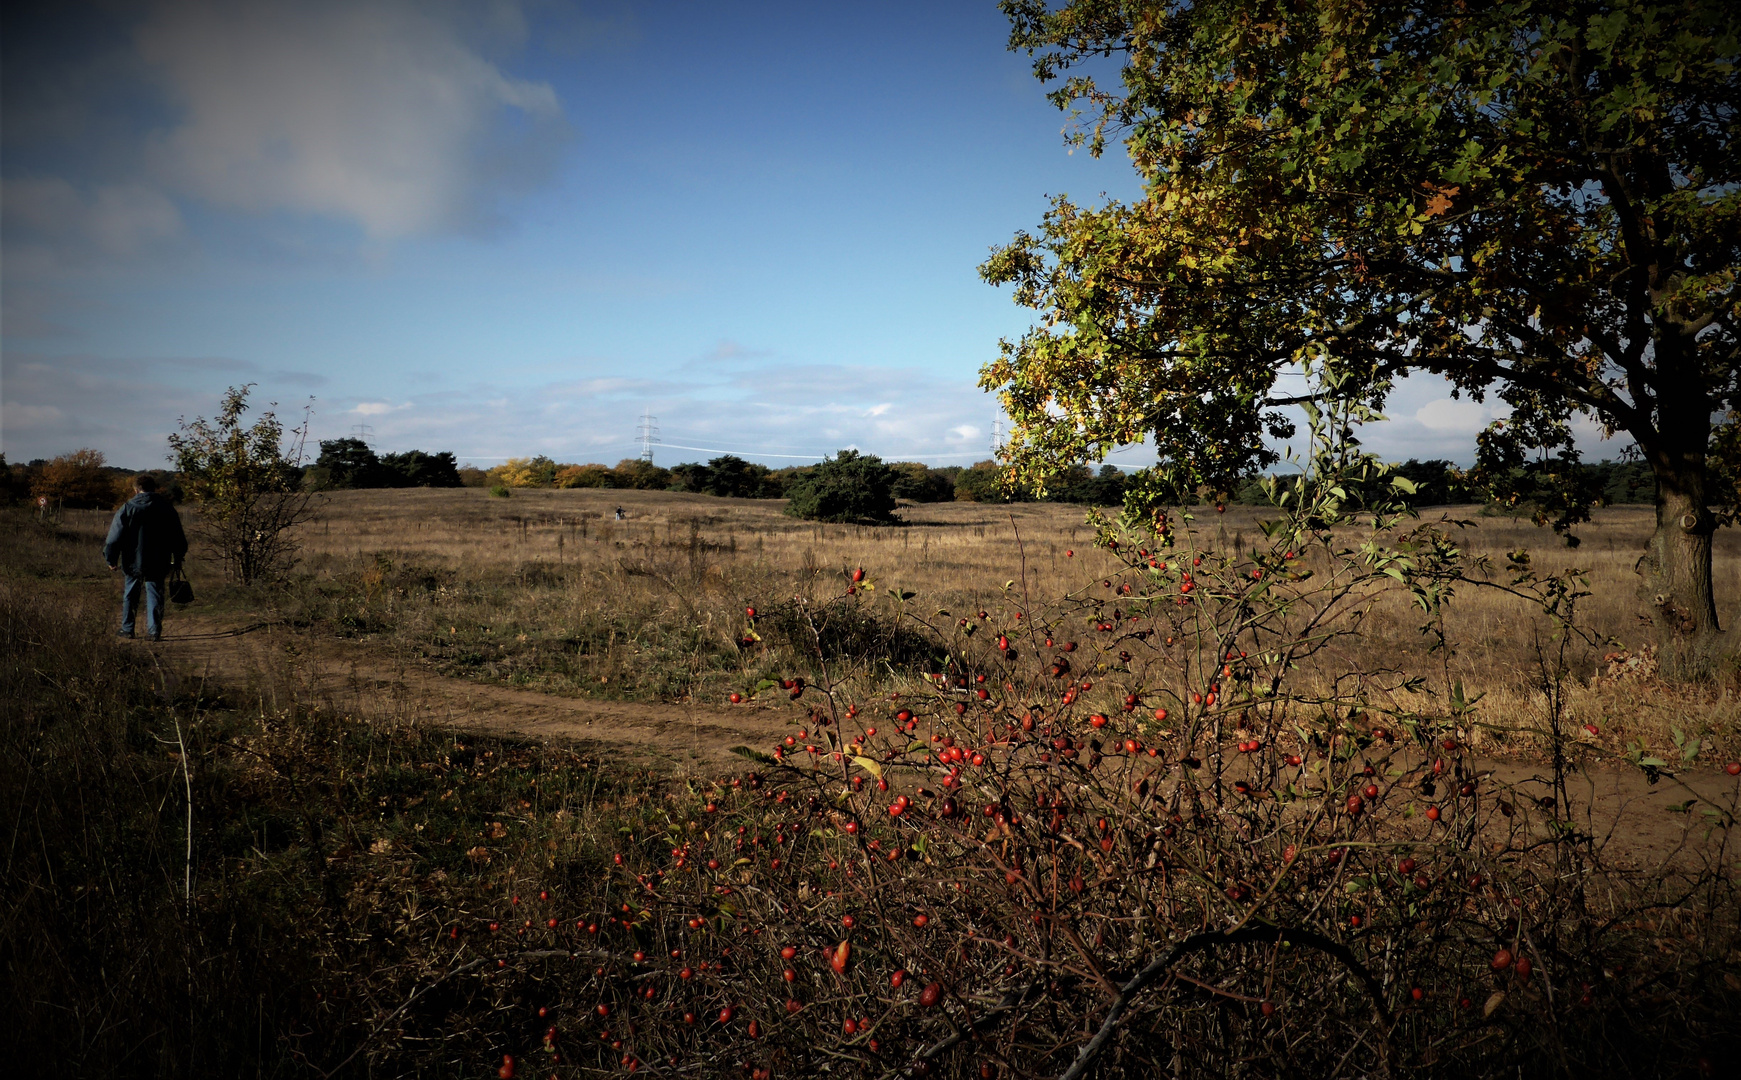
x=376, y=408
x=1457, y=415
x=369, y=111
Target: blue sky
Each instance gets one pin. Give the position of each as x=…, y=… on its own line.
x=508, y=228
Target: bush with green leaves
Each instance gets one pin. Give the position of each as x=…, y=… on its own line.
x=849, y=488
x=247, y=483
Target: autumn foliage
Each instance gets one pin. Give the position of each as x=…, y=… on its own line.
x=80, y=480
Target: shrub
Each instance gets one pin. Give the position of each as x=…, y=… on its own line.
x=247, y=482
x=1158, y=827
x=501, y=491
x=848, y=487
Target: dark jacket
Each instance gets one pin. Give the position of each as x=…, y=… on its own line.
x=145, y=538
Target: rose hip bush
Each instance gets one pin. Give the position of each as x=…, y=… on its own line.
x=1154, y=827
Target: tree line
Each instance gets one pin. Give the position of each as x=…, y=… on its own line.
x=84, y=479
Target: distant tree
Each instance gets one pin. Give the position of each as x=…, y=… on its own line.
x=529, y=472
x=1072, y=484
x=917, y=482
x=582, y=476
x=352, y=463
x=472, y=476
x=78, y=480
x=14, y=482
x=1624, y=482
x=247, y=484
x=347, y=463
x=1538, y=201
x=633, y=473
x=849, y=487
x=1436, y=482
x=414, y=468
x=692, y=477
x=734, y=478
x=1109, y=486
x=983, y=481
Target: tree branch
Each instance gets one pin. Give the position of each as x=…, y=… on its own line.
x=1247, y=935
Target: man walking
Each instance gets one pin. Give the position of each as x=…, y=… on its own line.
x=145, y=541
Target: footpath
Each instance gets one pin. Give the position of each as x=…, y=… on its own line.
x=282, y=665
x=1631, y=818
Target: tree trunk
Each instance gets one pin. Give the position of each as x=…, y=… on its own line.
x=1676, y=567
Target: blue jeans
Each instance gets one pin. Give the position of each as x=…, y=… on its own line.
x=153, y=590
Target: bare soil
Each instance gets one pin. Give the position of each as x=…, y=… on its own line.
x=282, y=665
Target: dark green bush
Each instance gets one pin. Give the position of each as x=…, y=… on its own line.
x=849, y=487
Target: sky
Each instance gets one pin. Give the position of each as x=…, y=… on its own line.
x=510, y=228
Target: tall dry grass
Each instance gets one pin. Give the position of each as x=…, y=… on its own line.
x=546, y=589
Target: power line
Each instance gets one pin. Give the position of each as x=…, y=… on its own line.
x=739, y=453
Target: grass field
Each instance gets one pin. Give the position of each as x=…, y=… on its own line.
x=204, y=878
x=546, y=590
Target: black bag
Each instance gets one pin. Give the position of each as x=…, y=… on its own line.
x=180, y=592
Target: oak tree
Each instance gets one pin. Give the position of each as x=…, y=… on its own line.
x=1537, y=201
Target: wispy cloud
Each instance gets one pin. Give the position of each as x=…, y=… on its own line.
x=377, y=113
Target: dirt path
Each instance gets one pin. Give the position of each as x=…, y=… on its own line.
x=282, y=665
x=1629, y=816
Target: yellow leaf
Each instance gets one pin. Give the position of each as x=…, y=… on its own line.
x=869, y=765
x=1493, y=1003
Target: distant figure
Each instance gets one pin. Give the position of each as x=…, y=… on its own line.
x=145, y=542
x=619, y=513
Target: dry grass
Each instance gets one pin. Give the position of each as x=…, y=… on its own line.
x=546, y=590
x=294, y=891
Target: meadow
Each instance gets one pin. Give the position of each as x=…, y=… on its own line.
x=547, y=590
x=966, y=858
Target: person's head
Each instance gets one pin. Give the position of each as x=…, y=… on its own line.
x=145, y=483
